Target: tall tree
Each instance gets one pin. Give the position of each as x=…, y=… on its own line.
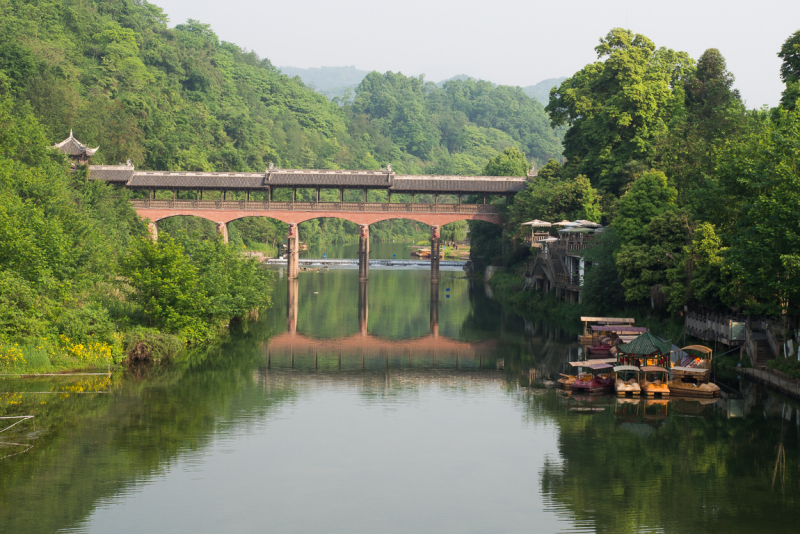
x=711, y=113
x=615, y=108
x=790, y=70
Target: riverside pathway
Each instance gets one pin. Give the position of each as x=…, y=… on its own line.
x=782, y=384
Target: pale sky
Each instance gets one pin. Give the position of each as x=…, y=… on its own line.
x=513, y=42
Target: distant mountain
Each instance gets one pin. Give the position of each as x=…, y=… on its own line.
x=333, y=82
x=329, y=81
x=541, y=91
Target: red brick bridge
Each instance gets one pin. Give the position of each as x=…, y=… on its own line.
x=238, y=195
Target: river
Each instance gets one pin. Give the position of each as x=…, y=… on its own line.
x=351, y=407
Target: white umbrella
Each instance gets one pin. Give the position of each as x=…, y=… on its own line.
x=588, y=224
x=537, y=223
x=566, y=223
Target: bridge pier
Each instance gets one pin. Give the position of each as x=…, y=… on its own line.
x=363, y=306
x=363, y=253
x=435, y=253
x=152, y=229
x=222, y=230
x=293, y=252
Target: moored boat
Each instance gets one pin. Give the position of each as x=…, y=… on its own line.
x=565, y=381
x=654, y=381
x=627, y=381
x=692, y=382
x=596, y=381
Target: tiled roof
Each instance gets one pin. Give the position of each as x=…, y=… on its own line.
x=72, y=147
x=111, y=173
x=477, y=184
x=325, y=178
x=645, y=344
x=193, y=180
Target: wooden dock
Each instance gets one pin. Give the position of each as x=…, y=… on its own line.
x=775, y=380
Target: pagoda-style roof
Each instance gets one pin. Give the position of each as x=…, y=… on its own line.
x=644, y=345
x=74, y=148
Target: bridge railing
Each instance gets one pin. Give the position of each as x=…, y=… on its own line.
x=256, y=205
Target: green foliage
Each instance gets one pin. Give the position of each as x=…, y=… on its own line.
x=602, y=287
x=648, y=197
x=193, y=296
x=166, y=285
x=615, y=108
x=759, y=173
x=551, y=198
x=790, y=70
x=645, y=260
x=790, y=366
x=511, y=162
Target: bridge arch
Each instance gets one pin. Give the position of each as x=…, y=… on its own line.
x=298, y=216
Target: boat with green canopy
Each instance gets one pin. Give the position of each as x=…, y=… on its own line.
x=646, y=349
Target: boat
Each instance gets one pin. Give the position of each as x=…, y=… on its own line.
x=607, y=327
x=565, y=381
x=654, y=381
x=595, y=381
x=627, y=381
x=692, y=382
x=599, y=349
x=421, y=253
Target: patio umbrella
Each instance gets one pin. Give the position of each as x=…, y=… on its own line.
x=588, y=224
x=537, y=224
x=566, y=223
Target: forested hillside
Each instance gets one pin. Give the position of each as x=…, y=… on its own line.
x=181, y=99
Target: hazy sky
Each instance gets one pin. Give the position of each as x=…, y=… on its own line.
x=515, y=42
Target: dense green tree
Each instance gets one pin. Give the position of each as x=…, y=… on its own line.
x=486, y=239
x=648, y=197
x=790, y=70
x=645, y=261
x=759, y=174
x=602, y=287
x=711, y=114
x=166, y=285
x=511, y=162
x=615, y=108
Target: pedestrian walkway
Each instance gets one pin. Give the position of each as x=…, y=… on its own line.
x=782, y=384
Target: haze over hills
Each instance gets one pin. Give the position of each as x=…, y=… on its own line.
x=333, y=82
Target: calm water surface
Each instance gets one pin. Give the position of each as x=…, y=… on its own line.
x=354, y=408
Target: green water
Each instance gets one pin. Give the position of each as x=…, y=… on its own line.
x=354, y=408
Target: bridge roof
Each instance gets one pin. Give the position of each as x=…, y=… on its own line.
x=111, y=173
x=487, y=184
x=327, y=178
x=308, y=178
x=192, y=180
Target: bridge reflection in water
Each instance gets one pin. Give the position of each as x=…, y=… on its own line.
x=362, y=350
